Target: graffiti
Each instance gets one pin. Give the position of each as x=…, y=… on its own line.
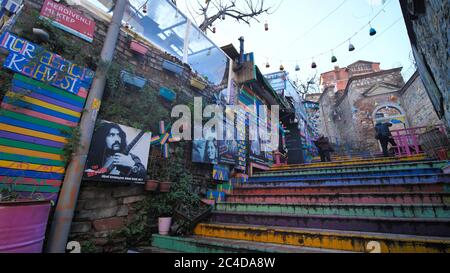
x=9, y=180
x=35, y=62
x=373, y=247
x=73, y=247
x=30, y=167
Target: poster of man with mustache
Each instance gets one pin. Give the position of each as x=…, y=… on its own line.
x=118, y=154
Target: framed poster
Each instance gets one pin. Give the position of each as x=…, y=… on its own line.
x=118, y=154
x=206, y=150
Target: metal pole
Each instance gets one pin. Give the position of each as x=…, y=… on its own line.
x=65, y=208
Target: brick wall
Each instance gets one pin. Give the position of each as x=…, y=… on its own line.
x=104, y=208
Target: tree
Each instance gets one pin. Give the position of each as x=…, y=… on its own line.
x=310, y=86
x=245, y=11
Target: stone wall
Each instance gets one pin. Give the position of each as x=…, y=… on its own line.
x=104, y=209
x=428, y=30
x=419, y=110
x=327, y=126
x=351, y=114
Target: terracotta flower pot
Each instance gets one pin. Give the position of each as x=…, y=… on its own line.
x=151, y=185
x=165, y=186
x=164, y=225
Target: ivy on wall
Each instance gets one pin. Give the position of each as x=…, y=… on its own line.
x=59, y=42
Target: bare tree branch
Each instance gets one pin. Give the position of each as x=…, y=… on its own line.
x=211, y=11
x=310, y=86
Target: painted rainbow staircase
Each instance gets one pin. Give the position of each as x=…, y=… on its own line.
x=369, y=205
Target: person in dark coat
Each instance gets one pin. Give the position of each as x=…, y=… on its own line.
x=383, y=134
x=324, y=147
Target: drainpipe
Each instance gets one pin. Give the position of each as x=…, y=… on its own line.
x=62, y=220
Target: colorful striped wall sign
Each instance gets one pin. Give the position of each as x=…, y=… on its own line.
x=35, y=120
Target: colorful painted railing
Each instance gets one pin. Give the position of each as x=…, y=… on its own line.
x=407, y=140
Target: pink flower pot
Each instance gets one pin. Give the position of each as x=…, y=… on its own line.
x=164, y=225
x=23, y=225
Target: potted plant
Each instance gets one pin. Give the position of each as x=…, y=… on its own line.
x=173, y=67
x=23, y=222
x=164, y=212
x=165, y=185
x=198, y=83
x=131, y=79
x=151, y=185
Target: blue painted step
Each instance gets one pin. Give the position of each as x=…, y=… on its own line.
x=348, y=175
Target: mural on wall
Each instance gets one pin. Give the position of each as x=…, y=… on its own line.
x=69, y=20
x=39, y=112
x=33, y=61
x=118, y=154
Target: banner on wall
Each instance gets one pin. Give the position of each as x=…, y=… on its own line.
x=33, y=61
x=118, y=154
x=69, y=20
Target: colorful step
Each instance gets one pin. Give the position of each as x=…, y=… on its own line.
x=344, y=198
x=357, y=169
x=411, y=226
x=352, y=163
x=290, y=176
x=380, y=188
x=197, y=244
x=327, y=239
x=351, y=210
x=375, y=180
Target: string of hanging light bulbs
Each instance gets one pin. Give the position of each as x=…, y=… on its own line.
x=351, y=46
x=144, y=11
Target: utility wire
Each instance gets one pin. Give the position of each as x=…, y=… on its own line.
x=317, y=24
x=340, y=44
x=380, y=34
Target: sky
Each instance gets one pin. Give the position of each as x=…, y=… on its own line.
x=298, y=31
x=303, y=30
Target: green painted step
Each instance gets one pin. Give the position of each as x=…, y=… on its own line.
x=366, y=210
x=356, y=169
x=199, y=244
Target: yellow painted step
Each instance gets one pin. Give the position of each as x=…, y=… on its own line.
x=350, y=162
x=328, y=239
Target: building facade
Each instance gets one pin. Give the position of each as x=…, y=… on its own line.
x=370, y=95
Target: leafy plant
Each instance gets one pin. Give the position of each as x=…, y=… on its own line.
x=60, y=42
x=74, y=136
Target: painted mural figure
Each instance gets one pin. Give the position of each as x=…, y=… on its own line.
x=110, y=155
x=384, y=136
